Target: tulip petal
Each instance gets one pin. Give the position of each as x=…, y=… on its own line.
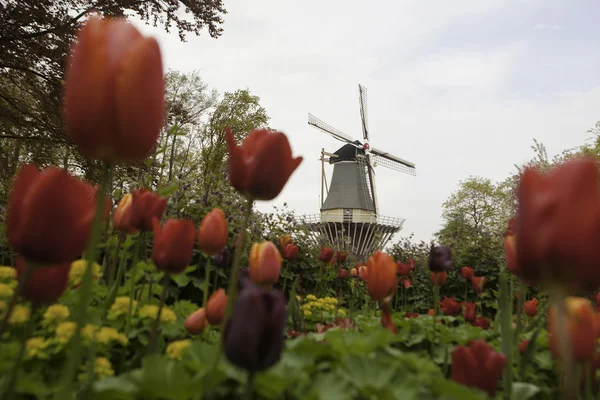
x=22, y=183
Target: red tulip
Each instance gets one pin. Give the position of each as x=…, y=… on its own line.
x=215, y=307
x=403, y=269
x=326, y=254
x=469, y=312
x=290, y=252
x=122, y=216
x=449, y=306
x=410, y=315
x=531, y=307
x=50, y=215
x=342, y=273
x=438, y=278
x=431, y=312
x=481, y=322
x=45, y=284
x=381, y=270
x=262, y=165
x=145, y=206
x=406, y=282
x=467, y=272
x=265, y=263
x=173, y=245
x=478, y=283
x=341, y=257
x=478, y=366
x=114, y=91
x=558, y=225
x=213, y=232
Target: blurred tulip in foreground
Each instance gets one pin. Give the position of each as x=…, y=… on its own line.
x=580, y=323
x=45, y=284
x=381, y=272
x=478, y=366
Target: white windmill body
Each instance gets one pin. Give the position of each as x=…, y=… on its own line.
x=349, y=218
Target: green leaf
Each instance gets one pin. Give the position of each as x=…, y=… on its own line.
x=161, y=378
x=114, y=388
x=169, y=190
x=523, y=391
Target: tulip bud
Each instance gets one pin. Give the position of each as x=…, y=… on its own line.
x=265, y=263
x=215, y=307
x=145, y=206
x=478, y=283
x=326, y=254
x=440, y=258
x=354, y=272
x=381, y=270
x=530, y=307
x=290, y=252
x=262, y=165
x=580, y=320
x=284, y=240
x=510, y=251
x=196, y=322
x=363, y=273
x=122, y=216
x=438, y=278
x=173, y=245
x=114, y=91
x=467, y=272
x=478, y=366
x=254, y=336
x=50, y=215
x=45, y=284
x=213, y=232
x=469, y=312
x=431, y=312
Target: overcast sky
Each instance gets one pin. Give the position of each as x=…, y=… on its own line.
x=458, y=87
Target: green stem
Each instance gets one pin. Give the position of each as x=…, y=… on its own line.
x=85, y=290
x=566, y=357
x=520, y=305
x=112, y=295
x=233, y=279
x=14, y=372
x=216, y=279
x=206, y=281
x=154, y=333
x=507, y=337
x=436, y=307
x=28, y=269
x=250, y=386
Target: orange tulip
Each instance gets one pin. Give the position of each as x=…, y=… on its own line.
x=381, y=272
x=122, y=215
x=478, y=283
x=438, y=278
x=580, y=323
x=213, y=232
x=173, y=245
x=145, y=206
x=265, y=263
x=530, y=307
x=284, y=240
x=114, y=91
x=44, y=284
x=196, y=322
x=558, y=225
x=215, y=307
x=50, y=215
x=363, y=273
x=262, y=165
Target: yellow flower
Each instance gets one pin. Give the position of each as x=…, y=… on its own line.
x=34, y=348
x=175, y=349
x=107, y=334
x=20, y=315
x=121, y=307
x=310, y=297
x=103, y=367
x=2, y=305
x=65, y=331
x=341, y=312
x=79, y=267
x=307, y=313
x=298, y=298
x=5, y=291
x=8, y=273
x=56, y=313
x=151, y=311
x=89, y=331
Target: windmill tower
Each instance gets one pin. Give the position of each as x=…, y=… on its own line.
x=349, y=219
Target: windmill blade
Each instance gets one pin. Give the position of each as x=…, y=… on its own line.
x=371, y=172
x=393, y=162
x=362, y=92
x=337, y=134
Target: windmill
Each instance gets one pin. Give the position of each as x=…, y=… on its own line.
x=349, y=218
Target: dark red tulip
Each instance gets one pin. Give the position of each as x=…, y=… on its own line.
x=326, y=254
x=449, y=306
x=262, y=165
x=145, y=206
x=438, y=278
x=254, y=336
x=342, y=273
x=45, y=284
x=470, y=312
x=440, y=258
x=597, y=298
x=530, y=307
x=478, y=366
x=478, y=283
x=411, y=315
x=173, y=245
x=50, y=215
x=481, y=322
x=467, y=272
x=341, y=257
x=558, y=225
x=213, y=232
x=114, y=91
x=290, y=252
